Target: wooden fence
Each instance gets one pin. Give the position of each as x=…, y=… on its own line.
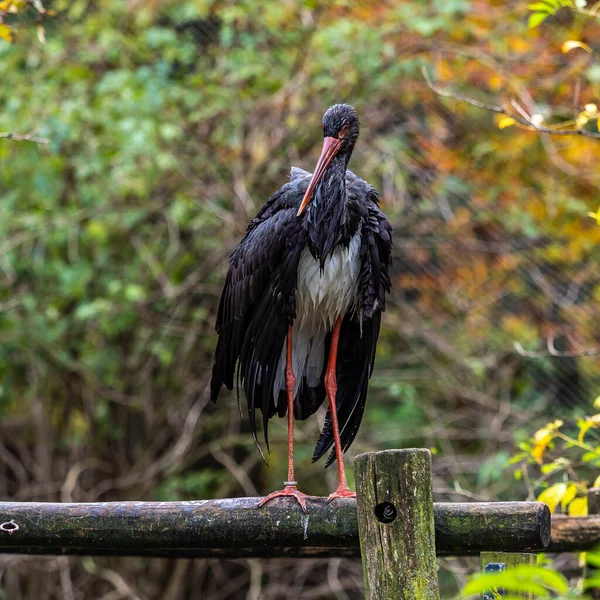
x=395, y=527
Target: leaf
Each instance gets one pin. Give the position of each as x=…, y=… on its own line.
x=572, y=44
x=553, y=495
x=134, y=292
x=522, y=578
x=596, y=216
x=6, y=33
x=581, y=120
x=596, y=482
x=597, y=402
x=592, y=457
x=551, y=467
x=541, y=7
x=550, y=6
x=541, y=444
x=12, y=6
x=553, y=579
x=578, y=508
x=542, y=438
x=41, y=34
x=592, y=582
x=593, y=559
x=504, y=122
x=584, y=427
x=568, y=495
x=536, y=19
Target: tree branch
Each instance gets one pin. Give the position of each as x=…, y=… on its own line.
x=552, y=351
x=522, y=119
x=28, y=137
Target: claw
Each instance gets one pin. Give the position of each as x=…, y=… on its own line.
x=341, y=492
x=288, y=490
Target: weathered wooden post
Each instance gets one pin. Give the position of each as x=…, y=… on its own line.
x=593, y=498
x=396, y=525
x=495, y=562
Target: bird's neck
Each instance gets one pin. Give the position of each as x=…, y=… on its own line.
x=327, y=212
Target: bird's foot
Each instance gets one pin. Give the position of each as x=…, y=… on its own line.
x=343, y=491
x=288, y=490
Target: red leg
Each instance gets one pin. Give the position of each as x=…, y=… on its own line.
x=343, y=491
x=290, y=488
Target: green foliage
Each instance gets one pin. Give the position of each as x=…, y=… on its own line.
x=545, y=8
x=170, y=123
x=567, y=458
x=533, y=579
x=542, y=10
x=12, y=11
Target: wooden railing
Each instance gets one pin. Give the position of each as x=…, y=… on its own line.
x=395, y=527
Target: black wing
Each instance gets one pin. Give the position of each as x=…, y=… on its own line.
x=258, y=302
x=359, y=332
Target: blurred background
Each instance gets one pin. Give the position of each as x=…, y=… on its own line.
x=155, y=129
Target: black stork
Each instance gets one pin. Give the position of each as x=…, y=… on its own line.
x=301, y=308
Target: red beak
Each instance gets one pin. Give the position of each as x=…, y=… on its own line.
x=331, y=146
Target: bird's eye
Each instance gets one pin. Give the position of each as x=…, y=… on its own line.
x=343, y=130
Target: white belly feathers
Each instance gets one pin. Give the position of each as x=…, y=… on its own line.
x=321, y=296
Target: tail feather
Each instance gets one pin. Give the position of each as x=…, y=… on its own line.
x=354, y=364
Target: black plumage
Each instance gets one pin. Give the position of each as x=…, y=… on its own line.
x=259, y=300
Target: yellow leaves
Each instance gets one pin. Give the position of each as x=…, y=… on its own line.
x=541, y=444
x=495, y=82
x=586, y=424
x=9, y=6
x=572, y=44
x=6, y=33
x=565, y=495
x=578, y=508
x=443, y=70
x=589, y=113
x=537, y=120
x=504, y=122
x=542, y=437
x=584, y=427
x=519, y=44
x=569, y=494
x=12, y=6
x=581, y=120
x=553, y=495
x=596, y=217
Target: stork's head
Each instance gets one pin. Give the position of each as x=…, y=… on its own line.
x=341, y=123
x=340, y=132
